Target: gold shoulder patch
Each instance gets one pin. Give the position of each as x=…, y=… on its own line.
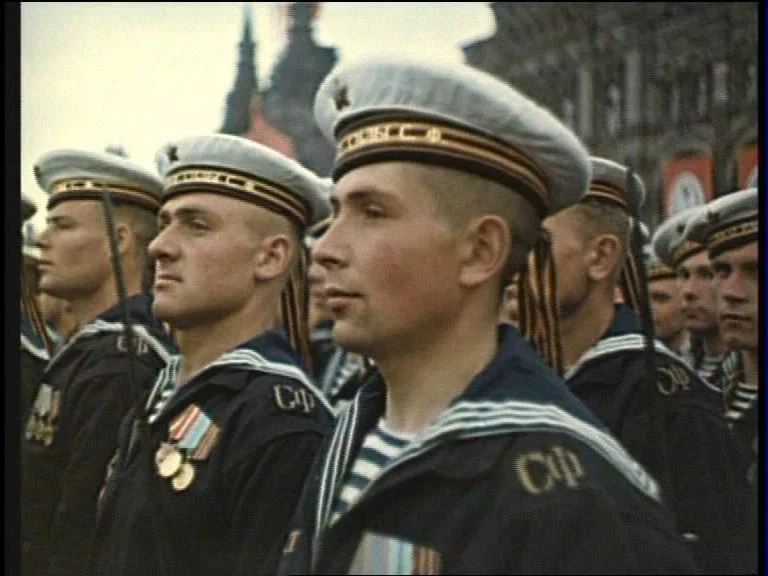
x=292, y=399
x=672, y=379
x=140, y=347
x=541, y=471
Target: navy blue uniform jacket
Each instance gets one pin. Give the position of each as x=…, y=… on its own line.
x=672, y=424
x=71, y=433
x=233, y=515
x=515, y=476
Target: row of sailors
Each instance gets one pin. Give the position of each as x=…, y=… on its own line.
x=684, y=300
x=428, y=437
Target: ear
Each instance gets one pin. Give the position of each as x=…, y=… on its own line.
x=603, y=256
x=125, y=238
x=483, y=250
x=272, y=257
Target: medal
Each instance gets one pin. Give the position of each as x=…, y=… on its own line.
x=54, y=413
x=183, y=477
x=47, y=435
x=180, y=425
x=31, y=426
x=43, y=400
x=206, y=444
x=162, y=452
x=195, y=432
x=170, y=464
x=39, y=428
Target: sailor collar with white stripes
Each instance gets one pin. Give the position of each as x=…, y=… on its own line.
x=268, y=353
x=33, y=347
x=623, y=335
x=729, y=373
x=107, y=323
x=498, y=401
x=625, y=321
x=615, y=345
x=323, y=331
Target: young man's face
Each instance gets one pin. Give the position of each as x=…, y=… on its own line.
x=318, y=311
x=569, y=253
x=204, y=251
x=666, y=307
x=391, y=263
x=74, y=251
x=737, y=284
x=699, y=305
x=510, y=308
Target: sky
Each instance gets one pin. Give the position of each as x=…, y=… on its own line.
x=140, y=73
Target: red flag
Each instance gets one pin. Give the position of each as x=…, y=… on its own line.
x=687, y=183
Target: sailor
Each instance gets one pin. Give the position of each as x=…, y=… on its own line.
x=729, y=228
x=463, y=452
x=661, y=412
x=208, y=472
x=36, y=341
x=666, y=303
x=91, y=382
x=338, y=372
x=694, y=272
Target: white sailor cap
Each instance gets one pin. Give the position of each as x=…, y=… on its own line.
x=645, y=233
x=315, y=231
x=243, y=169
x=28, y=207
x=609, y=184
x=31, y=252
x=670, y=242
x=726, y=223
x=655, y=268
x=390, y=108
x=85, y=175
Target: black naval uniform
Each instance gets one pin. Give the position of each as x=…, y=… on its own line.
x=32, y=362
x=743, y=417
x=72, y=430
x=516, y=476
x=212, y=491
x=338, y=373
x=673, y=425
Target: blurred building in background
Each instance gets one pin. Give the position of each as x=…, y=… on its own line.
x=671, y=85
x=281, y=116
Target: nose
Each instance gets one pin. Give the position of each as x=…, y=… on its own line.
x=688, y=290
x=732, y=289
x=315, y=273
x=329, y=251
x=42, y=241
x=162, y=247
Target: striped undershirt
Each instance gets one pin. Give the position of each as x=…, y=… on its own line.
x=740, y=401
x=380, y=447
x=708, y=367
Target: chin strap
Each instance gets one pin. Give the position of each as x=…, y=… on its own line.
x=140, y=418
